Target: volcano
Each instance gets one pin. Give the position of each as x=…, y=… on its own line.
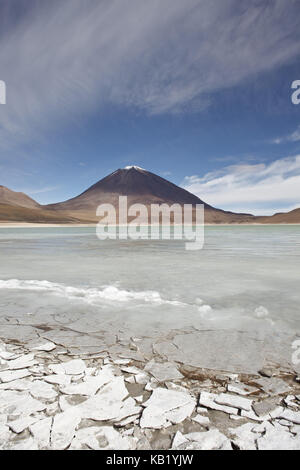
x=140, y=186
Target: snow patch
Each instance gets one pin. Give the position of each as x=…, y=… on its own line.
x=135, y=167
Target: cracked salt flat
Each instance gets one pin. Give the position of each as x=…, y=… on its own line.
x=264, y=407
x=273, y=386
x=128, y=412
x=106, y=405
x=21, y=363
x=278, y=439
x=292, y=416
x=141, y=378
x=241, y=389
x=19, y=403
x=13, y=375
x=112, y=403
x=91, y=384
x=131, y=370
x=75, y=367
x=163, y=372
x=210, y=440
x=203, y=420
x=58, y=379
x=19, y=425
x=18, y=385
x=63, y=429
x=253, y=416
x=244, y=437
x=102, y=438
x=40, y=431
x=24, y=444
x=42, y=390
x=208, y=400
x=130, y=380
x=234, y=401
x=5, y=435
x=6, y=354
x=165, y=407
x=46, y=346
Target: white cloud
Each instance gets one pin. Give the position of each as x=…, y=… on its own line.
x=258, y=189
x=293, y=137
x=63, y=60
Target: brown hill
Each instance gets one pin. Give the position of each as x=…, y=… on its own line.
x=9, y=213
x=292, y=217
x=18, y=207
x=140, y=186
x=7, y=196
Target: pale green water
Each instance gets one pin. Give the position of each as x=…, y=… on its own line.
x=240, y=269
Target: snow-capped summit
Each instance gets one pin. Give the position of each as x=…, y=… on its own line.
x=135, y=167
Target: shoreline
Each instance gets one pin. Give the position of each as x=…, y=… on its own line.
x=36, y=225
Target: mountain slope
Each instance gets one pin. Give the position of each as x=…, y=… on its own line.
x=10, y=213
x=18, y=207
x=7, y=196
x=140, y=186
x=292, y=217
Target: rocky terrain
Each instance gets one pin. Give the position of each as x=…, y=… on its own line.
x=130, y=396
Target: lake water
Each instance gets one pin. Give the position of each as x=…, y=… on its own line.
x=245, y=279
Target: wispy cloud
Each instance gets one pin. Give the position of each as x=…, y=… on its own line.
x=63, y=60
x=258, y=188
x=46, y=189
x=293, y=137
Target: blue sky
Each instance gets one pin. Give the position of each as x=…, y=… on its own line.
x=198, y=92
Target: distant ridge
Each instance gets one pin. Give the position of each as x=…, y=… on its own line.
x=7, y=196
x=139, y=185
x=11, y=214
x=292, y=217
x=18, y=207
